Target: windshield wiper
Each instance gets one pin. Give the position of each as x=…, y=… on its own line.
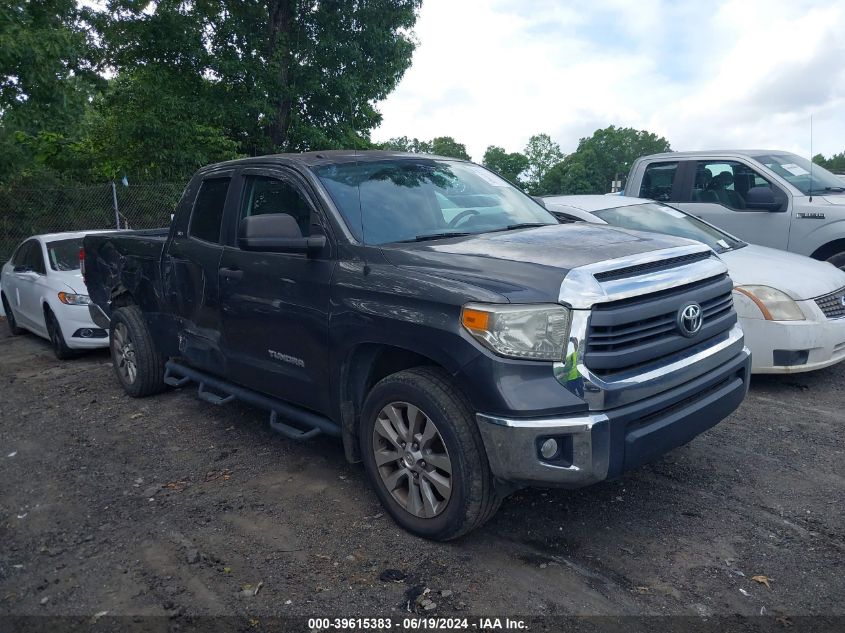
x=521, y=225
x=824, y=189
x=436, y=236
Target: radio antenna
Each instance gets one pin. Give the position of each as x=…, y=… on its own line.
x=811, y=158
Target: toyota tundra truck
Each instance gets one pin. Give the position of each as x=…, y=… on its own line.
x=458, y=340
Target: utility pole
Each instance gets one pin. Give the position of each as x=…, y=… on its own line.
x=114, y=201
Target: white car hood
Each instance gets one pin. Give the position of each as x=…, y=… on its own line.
x=70, y=278
x=798, y=276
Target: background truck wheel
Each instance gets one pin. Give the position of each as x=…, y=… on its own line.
x=424, y=456
x=838, y=260
x=10, y=318
x=57, y=339
x=137, y=363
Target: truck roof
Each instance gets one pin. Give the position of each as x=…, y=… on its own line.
x=324, y=157
x=711, y=152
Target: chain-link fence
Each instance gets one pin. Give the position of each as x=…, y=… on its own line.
x=25, y=212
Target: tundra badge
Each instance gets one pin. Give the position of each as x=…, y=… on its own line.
x=293, y=360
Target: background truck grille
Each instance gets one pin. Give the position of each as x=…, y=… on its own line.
x=833, y=305
x=638, y=331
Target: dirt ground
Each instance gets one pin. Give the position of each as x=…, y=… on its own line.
x=171, y=506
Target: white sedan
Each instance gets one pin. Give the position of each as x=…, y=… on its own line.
x=791, y=307
x=43, y=292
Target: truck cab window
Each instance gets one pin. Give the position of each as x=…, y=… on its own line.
x=658, y=180
x=263, y=194
x=207, y=215
x=725, y=182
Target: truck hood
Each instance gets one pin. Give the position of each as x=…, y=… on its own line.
x=798, y=276
x=525, y=265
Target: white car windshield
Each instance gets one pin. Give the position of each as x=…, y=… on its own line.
x=797, y=172
x=660, y=218
x=415, y=199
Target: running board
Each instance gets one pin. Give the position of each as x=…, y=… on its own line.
x=219, y=392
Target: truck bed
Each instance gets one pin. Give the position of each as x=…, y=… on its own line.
x=127, y=260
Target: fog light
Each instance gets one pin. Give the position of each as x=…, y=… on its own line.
x=86, y=333
x=548, y=449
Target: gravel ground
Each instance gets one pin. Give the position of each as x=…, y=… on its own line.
x=171, y=506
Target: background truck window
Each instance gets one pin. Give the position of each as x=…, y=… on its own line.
x=658, y=180
x=725, y=182
x=207, y=215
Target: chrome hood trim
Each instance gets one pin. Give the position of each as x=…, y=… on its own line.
x=581, y=290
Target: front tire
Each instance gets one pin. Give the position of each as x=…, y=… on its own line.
x=424, y=455
x=14, y=328
x=838, y=260
x=137, y=363
x=57, y=339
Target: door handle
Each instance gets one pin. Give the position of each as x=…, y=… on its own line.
x=231, y=273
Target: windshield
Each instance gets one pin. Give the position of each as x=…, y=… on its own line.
x=796, y=170
x=64, y=254
x=659, y=218
x=415, y=199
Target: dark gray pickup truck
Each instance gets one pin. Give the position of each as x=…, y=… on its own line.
x=442, y=323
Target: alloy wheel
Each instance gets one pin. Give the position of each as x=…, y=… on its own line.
x=123, y=352
x=412, y=459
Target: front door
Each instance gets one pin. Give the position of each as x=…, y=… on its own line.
x=717, y=193
x=275, y=305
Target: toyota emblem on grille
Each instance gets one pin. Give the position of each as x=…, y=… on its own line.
x=689, y=319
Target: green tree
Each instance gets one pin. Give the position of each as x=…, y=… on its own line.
x=48, y=73
x=285, y=75
x=605, y=156
x=508, y=165
x=542, y=154
x=448, y=146
x=155, y=125
x=439, y=145
x=405, y=144
x=836, y=163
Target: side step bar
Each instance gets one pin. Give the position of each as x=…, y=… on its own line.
x=178, y=375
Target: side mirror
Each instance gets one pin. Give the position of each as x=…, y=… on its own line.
x=762, y=199
x=276, y=233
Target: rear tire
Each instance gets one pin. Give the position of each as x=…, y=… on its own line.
x=14, y=329
x=57, y=339
x=137, y=363
x=838, y=260
x=452, y=493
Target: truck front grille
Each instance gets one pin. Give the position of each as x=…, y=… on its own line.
x=833, y=305
x=625, y=334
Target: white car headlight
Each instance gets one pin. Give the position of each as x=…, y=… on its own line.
x=530, y=332
x=74, y=300
x=773, y=303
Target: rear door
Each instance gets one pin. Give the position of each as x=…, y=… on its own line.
x=191, y=283
x=275, y=305
x=716, y=193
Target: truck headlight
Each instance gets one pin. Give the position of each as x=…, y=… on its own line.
x=74, y=300
x=530, y=332
x=773, y=303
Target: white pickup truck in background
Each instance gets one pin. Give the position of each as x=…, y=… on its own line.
x=767, y=197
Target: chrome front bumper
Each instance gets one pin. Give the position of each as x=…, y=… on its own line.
x=513, y=449
x=599, y=445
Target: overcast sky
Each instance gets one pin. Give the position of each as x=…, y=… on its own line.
x=718, y=74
